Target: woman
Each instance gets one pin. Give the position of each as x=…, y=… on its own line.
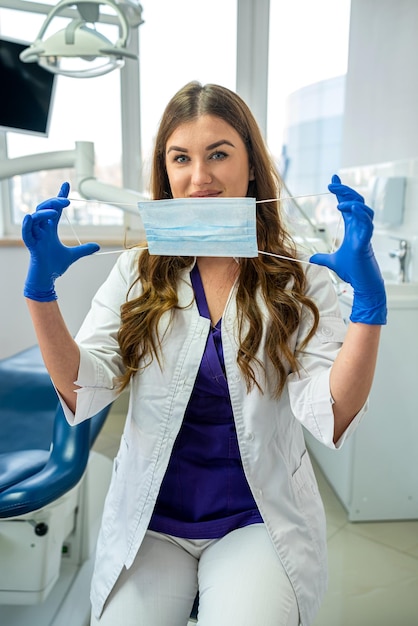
x=226, y=360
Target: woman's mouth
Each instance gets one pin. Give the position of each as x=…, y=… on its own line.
x=205, y=194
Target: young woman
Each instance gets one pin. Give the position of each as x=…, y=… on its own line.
x=226, y=359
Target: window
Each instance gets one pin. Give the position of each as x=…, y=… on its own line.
x=308, y=59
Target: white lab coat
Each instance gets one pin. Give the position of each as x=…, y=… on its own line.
x=270, y=434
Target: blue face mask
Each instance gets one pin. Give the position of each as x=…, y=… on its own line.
x=200, y=226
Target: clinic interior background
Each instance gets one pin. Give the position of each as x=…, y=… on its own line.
x=327, y=77
x=341, y=96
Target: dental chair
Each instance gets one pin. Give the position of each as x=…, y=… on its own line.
x=52, y=490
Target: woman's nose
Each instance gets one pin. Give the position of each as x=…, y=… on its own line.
x=201, y=174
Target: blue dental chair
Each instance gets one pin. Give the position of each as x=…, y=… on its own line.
x=52, y=490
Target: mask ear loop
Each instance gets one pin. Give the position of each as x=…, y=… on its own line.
x=337, y=230
x=100, y=253
x=287, y=258
x=72, y=227
x=282, y=199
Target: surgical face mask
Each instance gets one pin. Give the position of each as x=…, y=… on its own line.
x=201, y=226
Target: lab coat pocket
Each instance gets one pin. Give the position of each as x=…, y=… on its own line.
x=304, y=476
x=309, y=501
x=116, y=488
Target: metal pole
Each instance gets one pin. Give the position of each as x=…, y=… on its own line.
x=131, y=118
x=252, y=56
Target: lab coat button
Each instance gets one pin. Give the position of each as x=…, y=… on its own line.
x=250, y=436
x=327, y=332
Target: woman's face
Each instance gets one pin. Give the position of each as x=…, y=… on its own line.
x=207, y=158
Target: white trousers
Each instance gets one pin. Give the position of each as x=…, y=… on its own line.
x=239, y=577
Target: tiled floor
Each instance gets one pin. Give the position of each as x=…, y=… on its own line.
x=373, y=566
x=373, y=570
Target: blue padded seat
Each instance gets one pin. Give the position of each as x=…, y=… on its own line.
x=27, y=402
x=41, y=455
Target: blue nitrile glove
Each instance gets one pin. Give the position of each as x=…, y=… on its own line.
x=354, y=261
x=49, y=258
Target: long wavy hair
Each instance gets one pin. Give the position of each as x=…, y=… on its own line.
x=282, y=282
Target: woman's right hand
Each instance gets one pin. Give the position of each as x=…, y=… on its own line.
x=49, y=258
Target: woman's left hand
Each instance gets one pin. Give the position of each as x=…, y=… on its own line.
x=354, y=261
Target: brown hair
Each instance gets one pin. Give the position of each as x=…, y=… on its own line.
x=282, y=282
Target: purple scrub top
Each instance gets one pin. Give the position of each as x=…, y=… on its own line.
x=204, y=493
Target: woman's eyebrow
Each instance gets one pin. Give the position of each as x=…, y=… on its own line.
x=219, y=143
x=176, y=149
x=211, y=146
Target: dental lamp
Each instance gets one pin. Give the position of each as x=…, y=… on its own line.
x=82, y=41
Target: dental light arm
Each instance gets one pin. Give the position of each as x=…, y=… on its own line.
x=78, y=40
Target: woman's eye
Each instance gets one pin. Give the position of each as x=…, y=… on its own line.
x=180, y=158
x=218, y=156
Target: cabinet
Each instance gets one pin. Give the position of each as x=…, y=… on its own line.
x=375, y=473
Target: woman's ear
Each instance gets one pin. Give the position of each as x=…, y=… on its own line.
x=252, y=175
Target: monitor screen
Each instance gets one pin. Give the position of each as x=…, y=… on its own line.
x=26, y=91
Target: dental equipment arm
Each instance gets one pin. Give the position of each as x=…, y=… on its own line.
x=353, y=371
x=49, y=259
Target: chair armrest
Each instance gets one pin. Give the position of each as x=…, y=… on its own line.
x=17, y=465
x=64, y=468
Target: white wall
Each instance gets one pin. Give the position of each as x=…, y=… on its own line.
x=380, y=134
x=75, y=290
x=382, y=83
x=386, y=239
